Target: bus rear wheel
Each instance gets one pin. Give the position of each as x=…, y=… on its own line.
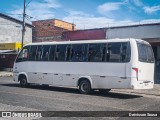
x=85, y=87
x=104, y=91
x=23, y=82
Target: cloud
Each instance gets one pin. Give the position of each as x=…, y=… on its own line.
x=151, y=10
x=87, y=21
x=137, y=2
x=109, y=7
x=78, y=13
x=39, y=10
x=149, y=21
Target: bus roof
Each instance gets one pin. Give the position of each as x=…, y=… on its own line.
x=85, y=41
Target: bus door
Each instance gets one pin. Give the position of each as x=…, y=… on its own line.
x=21, y=63
x=32, y=71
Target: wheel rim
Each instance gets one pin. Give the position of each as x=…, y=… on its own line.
x=23, y=81
x=84, y=87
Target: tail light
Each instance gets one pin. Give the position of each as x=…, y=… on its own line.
x=136, y=70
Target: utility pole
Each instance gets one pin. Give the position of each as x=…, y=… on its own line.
x=24, y=23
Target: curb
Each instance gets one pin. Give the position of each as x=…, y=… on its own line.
x=140, y=93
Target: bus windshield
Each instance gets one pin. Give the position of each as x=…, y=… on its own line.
x=145, y=53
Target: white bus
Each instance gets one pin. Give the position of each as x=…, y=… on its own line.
x=88, y=65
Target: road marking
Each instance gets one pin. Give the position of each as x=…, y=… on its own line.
x=119, y=108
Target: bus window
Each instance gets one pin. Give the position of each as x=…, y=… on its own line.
x=68, y=52
x=125, y=52
x=39, y=53
x=32, y=53
x=145, y=53
x=113, y=52
x=60, y=53
x=76, y=54
x=24, y=55
x=103, y=49
x=96, y=52
x=84, y=53
x=45, y=53
x=52, y=53
x=79, y=52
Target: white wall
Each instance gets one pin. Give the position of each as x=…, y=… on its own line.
x=140, y=32
x=12, y=32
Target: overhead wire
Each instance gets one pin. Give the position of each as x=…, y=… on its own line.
x=28, y=3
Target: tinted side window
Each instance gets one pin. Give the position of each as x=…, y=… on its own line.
x=32, y=53
x=125, y=52
x=24, y=54
x=45, y=53
x=96, y=52
x=52, y=53
x=68, y=53
x=85, y=52
x=114, y=52
x=60, y=53
x=79, y=52
x=150, y=54
x=39, y=53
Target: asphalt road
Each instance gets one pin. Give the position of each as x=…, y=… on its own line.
x=39, y=98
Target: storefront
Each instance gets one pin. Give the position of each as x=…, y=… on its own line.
x=8, y=53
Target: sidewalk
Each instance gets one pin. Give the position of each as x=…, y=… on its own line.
x=155, y=91
x=5, y=74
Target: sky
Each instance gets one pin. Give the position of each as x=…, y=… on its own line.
x=86, y=14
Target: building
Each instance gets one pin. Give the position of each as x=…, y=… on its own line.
x=11, y=30
x=91, y=34
x=10, y=39
x=50, y=30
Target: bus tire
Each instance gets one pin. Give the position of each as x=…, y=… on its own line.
x=23, y=82
x=104, y=91
x=85, y=87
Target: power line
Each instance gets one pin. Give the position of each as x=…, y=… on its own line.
x=28, y=3
x=12, y=14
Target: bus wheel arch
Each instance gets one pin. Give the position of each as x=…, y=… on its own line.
x=23, y=80
x=84, y=85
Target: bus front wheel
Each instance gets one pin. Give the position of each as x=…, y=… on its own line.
x=85, y=87
x=23, y=82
